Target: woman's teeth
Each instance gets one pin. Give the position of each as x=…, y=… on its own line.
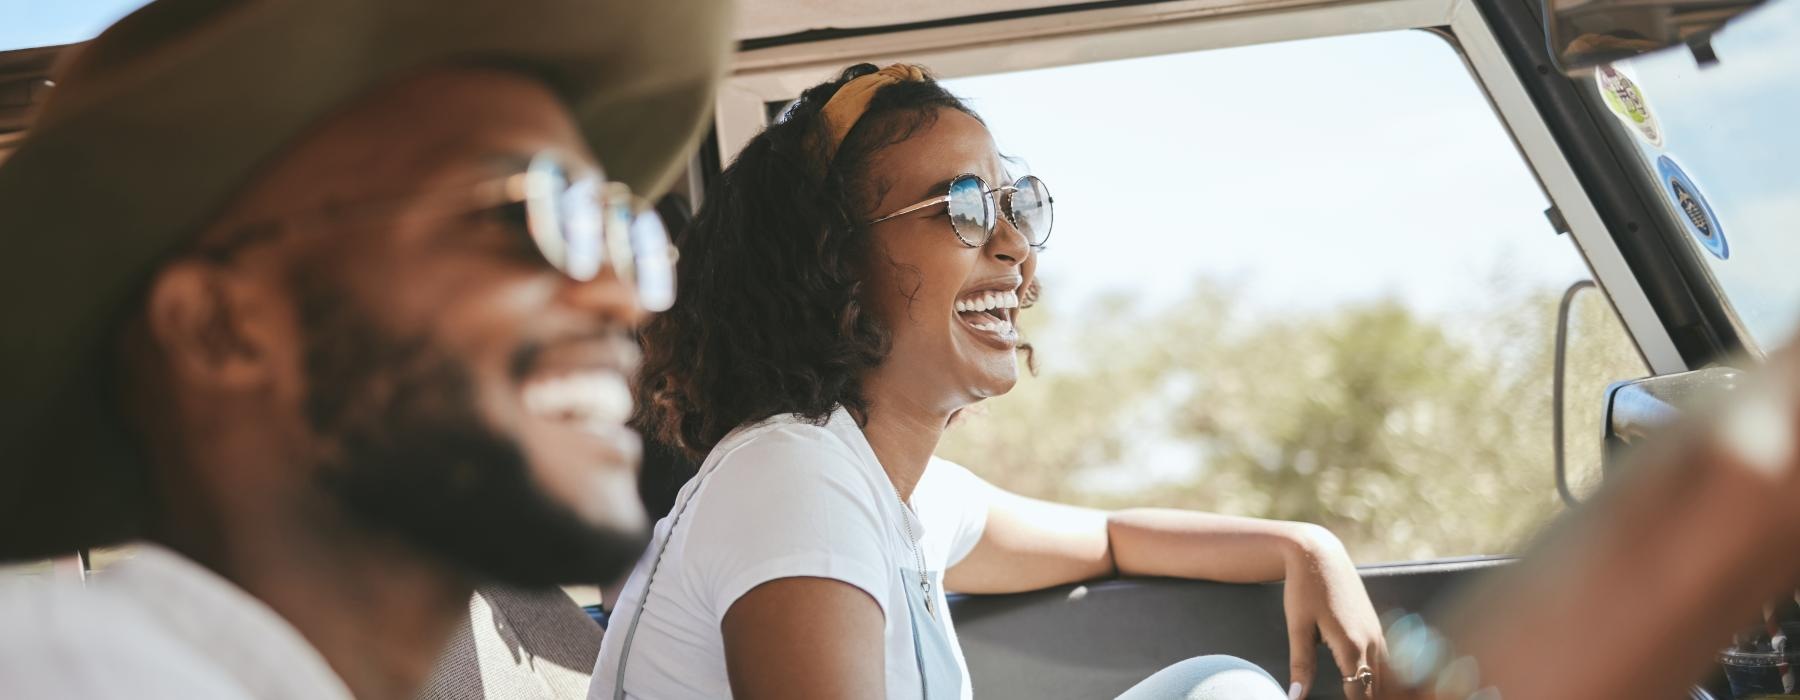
x=596, y=399
x=987, y=301
x=984, y=322
x=986, y=311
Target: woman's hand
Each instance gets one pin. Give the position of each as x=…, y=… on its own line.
x=1325, y=599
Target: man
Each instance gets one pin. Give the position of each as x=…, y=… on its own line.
x=328, y=303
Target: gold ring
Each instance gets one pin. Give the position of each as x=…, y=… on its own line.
x=1365, y=676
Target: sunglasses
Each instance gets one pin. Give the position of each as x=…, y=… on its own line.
x=579, y=225
x=584, y=225
x=974, y=209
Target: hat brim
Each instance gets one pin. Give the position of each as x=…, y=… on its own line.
x=157, y=122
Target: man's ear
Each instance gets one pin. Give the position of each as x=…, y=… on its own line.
x=215, y=326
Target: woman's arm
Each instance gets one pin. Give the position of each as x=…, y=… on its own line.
x=1187, y=544
x=805, y=637
x=1030, y=544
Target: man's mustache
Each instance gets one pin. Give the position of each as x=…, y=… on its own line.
x=612, y=348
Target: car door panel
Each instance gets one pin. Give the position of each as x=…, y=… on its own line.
x=1095, y=640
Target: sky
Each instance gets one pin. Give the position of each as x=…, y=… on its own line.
x=32, y=23
x=1312, y=173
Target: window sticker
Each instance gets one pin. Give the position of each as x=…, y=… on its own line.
x=1696, y=215
x=1627, y=102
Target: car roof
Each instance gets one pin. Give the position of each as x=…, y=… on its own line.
x=763, y=19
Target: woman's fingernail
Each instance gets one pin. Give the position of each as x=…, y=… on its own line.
x=1294, y=691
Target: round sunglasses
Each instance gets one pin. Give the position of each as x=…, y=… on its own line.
x=580, y=224
x=586, y=224
x=973, y=209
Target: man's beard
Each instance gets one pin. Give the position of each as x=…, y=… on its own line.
x=414, y=458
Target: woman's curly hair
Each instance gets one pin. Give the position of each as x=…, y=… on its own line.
x=769, y=316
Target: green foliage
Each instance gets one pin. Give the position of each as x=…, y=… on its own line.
x=1411, y=437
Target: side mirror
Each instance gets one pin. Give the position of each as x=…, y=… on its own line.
x=1588, y=33
x=1636, y=409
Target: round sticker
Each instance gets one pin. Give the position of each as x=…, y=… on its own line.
x=1627, y=102
x=1696, y=215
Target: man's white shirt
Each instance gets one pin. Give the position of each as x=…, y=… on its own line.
x=152, y=627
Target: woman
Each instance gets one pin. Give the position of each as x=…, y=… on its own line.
x=848, y=287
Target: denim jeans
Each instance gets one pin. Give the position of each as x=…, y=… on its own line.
x=1208, y=678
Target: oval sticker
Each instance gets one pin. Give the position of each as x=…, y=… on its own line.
x=1627, y=102
x=1696, y=214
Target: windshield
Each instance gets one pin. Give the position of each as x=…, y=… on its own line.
x=1721, y=145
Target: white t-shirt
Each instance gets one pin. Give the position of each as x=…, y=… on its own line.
x=154, y=627
x=779, y=499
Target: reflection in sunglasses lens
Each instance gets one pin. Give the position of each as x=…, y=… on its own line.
x=580, y=226
x=971, y=210
x=1031, y=209
x=581, y=230
x=655, y=266
x=545, y=183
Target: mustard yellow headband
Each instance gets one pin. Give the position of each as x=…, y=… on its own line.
x=846, y=107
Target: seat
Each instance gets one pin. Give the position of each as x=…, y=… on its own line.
x=517, y=645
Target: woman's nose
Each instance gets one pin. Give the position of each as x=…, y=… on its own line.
x=1007, y=244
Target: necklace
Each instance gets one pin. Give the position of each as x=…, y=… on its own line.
x=924, y=578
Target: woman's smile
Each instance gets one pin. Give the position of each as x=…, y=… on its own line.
x=987, y=311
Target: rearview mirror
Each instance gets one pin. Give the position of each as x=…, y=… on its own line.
x=1587, y=33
